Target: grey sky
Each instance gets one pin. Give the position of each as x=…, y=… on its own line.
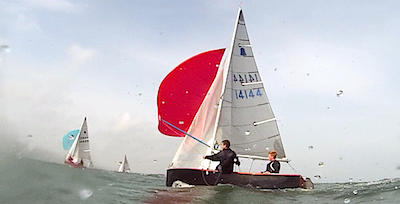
x=71, y=59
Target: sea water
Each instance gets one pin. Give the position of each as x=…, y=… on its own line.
x=24, y=180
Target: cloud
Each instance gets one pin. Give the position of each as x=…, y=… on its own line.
x=80, y=55
x=23, y=15
x=25, y=22
x=51, y=5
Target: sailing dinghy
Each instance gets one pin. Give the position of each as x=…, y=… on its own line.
x=77, y=142
x=124, y=166
x=207, y=100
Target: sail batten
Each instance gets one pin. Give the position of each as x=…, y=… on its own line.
x=252, y=83
x=265, y=121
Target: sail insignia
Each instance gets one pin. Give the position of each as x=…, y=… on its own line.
x=242, y=51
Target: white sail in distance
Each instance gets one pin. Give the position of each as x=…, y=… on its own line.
x=124, y=167
x=80, y=149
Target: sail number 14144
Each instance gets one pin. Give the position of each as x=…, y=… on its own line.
x=248, y=93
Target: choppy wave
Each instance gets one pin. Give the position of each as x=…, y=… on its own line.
x=25, y=180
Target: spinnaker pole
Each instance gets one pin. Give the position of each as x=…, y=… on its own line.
x=185, y=133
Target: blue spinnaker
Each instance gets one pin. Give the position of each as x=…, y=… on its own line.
x=69, y=138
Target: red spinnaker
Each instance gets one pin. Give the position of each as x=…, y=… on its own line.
x=183, y=90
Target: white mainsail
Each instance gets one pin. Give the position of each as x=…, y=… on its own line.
x=246, y=118
x=124, y=167
x=235, y=108
x=79, y=153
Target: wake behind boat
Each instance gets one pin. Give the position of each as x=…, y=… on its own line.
x=207, y=100
x=77, y=142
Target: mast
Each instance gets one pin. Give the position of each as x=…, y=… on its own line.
x=245, y=116
x=226, y=71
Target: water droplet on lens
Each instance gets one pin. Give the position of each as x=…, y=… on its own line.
x=310, y=147
x=317, y=177
x=351, y=179
x=85, y=193
x=163, y=102
x=247, y=133
x=140, y=94
x=339, y=93
x=321, y=164
x=155, y=161
x=20, y=155
x=255, y=146
x=247, y=149
x=181, y=122
x=267, y=148
x=5, y=48
x=347, y=200
x=395, y=187
x=355, y=192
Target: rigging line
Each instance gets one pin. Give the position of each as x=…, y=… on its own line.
x=185, y=133
x=251, y=165
x=172, y=129
x=292, y=167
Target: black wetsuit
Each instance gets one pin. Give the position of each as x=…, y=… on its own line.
x=226, y=158
x=273, y=167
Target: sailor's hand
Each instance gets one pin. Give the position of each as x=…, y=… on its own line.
x=204, y=157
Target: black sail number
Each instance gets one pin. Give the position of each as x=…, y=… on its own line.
x=245, y=77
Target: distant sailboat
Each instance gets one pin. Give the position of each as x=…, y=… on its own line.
x=124, y=166
x=207, y=100
x=77, y=142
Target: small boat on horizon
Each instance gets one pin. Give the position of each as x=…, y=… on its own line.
x=124, y=166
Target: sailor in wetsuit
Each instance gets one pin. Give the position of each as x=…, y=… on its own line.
x=227, y=158
x=273, y=166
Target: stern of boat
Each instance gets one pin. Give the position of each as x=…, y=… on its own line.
x=306, y=183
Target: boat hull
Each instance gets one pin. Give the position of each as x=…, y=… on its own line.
x=72, y=164
x=243, y=179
